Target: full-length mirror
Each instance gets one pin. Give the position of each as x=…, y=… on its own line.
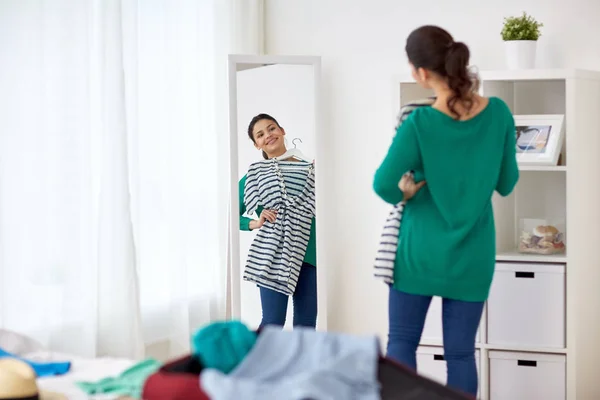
x=273, y=112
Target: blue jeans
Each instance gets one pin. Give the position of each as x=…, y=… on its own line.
x=460, y=320
x=274, y=304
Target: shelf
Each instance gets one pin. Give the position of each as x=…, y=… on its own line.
x=537, y=75
x=543, y=168
x=521, y=75
x=523, y=349
x=515, y=256
x=431, y=343
x=500, y=347
x=541, y=193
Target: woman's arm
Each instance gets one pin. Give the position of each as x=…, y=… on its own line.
x=509, y=170
x=403, y=156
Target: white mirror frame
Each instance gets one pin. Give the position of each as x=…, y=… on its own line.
x=238, y=63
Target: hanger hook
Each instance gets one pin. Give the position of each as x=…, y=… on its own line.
x=294, y=141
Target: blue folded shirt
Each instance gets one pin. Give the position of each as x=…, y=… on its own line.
x=300, y=364
x=42, y=369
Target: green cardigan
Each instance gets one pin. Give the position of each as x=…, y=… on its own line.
x=447, y=239
x=311, y=249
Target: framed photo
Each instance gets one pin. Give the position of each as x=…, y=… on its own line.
x=539, y=139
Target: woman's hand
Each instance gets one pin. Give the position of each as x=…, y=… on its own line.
x=265, y=215
x=409, y=187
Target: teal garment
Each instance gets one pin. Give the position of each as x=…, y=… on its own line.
x=222, y=345
x=311, y=249
x=129, y=383
x=447, y=238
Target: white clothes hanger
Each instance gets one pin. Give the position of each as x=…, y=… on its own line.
x=294, y=153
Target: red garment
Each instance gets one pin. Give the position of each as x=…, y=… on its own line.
x=177, y=380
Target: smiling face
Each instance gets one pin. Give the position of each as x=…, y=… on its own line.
x=268, y=136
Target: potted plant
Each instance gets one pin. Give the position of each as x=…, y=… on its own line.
x=520, y=35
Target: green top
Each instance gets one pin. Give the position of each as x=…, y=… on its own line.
x=311, y=249
x=128, y=383
x=447, y=238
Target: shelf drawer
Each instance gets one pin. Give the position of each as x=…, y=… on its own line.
x=526, y=306
x=431, y=363
x=527, y=376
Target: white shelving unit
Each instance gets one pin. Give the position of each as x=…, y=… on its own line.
x=540, y=336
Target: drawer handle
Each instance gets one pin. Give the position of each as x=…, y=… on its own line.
x=527, y=363
x=438, y=357
x=524, y=275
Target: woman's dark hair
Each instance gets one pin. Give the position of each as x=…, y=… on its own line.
x=253, y=122
x=434, y=49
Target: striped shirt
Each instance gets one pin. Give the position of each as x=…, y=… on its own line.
x=385, y=260
x=277, y=252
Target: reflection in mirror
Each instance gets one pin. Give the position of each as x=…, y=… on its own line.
x=276, y=146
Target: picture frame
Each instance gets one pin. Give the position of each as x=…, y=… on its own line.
x=540, y=139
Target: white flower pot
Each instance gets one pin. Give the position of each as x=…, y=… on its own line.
x=520, y=54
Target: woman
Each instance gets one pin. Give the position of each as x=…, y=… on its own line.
x=461, y=149
x=282, y=259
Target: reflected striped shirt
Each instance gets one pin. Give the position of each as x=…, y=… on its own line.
x=277, y=252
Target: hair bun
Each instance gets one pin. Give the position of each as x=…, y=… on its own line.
x=457, y=59
x=456, y=47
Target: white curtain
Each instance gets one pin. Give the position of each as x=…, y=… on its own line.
x=113, y=166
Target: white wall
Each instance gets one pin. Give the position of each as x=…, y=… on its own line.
x=361, y=44
x=286, y=92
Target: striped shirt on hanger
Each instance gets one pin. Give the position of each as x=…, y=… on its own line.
x=385, y=260
x=277, y=252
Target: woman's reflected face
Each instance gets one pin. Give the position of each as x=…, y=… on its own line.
x=268, y=136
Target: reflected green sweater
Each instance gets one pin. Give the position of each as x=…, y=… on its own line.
x=311, y=249
x=447, y=238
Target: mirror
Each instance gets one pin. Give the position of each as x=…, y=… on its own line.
x=273, y=231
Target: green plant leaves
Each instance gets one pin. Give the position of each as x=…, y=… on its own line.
x=524, y=27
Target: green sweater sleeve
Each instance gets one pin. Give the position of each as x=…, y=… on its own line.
x=509, y=169
x=403, y=156
x=244, y=221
